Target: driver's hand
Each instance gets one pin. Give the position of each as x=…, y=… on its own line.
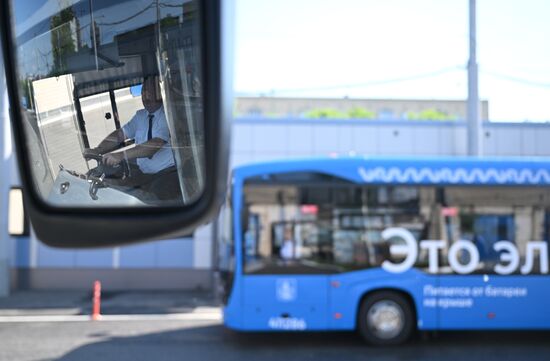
x=113, y=159
x=90, y=153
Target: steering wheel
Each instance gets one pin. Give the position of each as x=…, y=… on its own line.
x=95, y=179
x=97, y=157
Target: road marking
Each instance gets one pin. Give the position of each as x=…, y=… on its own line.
x=202, y=316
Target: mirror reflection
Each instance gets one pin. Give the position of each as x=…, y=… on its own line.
x=111, y=99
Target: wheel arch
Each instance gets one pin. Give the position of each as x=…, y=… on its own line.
x=406, y=295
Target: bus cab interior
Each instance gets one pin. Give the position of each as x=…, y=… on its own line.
x=82, y=70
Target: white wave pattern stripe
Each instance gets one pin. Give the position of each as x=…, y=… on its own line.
x=457, y=175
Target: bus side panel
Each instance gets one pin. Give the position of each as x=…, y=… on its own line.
x=347, y=290
x=495, y=302
x=285, y=302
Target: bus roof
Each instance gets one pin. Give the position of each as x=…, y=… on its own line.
x=413, y=170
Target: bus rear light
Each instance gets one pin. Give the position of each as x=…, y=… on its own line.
x=335, y=284
x=309, y=209
x=491, y=315
x=449, y=211
x=337, y=316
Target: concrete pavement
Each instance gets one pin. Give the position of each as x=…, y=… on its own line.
x=62, y=303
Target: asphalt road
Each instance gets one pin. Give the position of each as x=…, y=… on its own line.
x=207, y=340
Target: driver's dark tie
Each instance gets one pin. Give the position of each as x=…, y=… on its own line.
x=150, y=130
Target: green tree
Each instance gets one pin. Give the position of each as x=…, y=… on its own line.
x=328, y=113
x=430, y=114
x=361, y=113
x=63, y=43
x=25, y=87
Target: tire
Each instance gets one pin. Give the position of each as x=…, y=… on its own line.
x=386, y=318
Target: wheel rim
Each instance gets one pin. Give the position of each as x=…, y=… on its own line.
x=385, y=319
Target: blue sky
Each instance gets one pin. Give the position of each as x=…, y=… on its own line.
x=396, y=49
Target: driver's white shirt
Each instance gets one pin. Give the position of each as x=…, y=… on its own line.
x=289, y=250
x=137, y=129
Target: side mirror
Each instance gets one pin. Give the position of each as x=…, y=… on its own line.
x=160, y=158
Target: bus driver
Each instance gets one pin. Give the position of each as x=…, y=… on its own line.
x=150, y=162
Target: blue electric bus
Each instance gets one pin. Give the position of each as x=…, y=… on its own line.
x=387, y=246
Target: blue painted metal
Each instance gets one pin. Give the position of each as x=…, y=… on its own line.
x=97, y=258
x=175, y=253
x=321, y=302
x=22, y=251
x=135, y=90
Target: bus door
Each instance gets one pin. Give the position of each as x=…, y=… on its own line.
x=462, y=280
x=518, y=299
x=483, y=298
x=491, y=301
x=284, y=288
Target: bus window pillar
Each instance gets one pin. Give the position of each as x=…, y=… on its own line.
x=524, y=227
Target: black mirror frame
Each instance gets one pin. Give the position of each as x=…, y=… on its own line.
x=100, y=227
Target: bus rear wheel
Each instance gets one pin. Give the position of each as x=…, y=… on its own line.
x=385, y=318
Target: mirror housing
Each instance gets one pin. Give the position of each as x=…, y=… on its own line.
x=109, y=226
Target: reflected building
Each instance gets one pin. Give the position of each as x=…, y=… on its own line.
x=381, y=109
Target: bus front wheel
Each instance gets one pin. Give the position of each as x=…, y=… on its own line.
x=385, y=318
